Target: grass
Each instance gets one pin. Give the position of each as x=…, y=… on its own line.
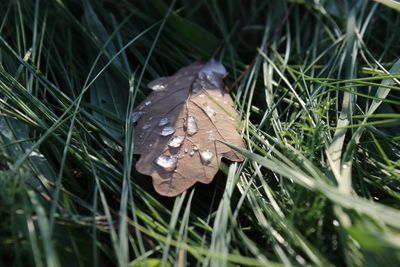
x=316, y=84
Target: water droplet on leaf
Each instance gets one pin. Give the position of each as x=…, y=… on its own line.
x=163, y=122
x=137, y=115
x=167, y=162
x=157, y=85
x=167, y=131
x=176, y=141
x=206, y=156
x=191, y=125
x=146, y=126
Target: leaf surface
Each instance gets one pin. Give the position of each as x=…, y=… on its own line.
x=180, y=126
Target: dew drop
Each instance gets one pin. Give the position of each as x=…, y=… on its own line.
x=191, y=153
x=191, y=125
x=206, y=156
x=196, y=148
x=167, y=162
x=186, y=151
x=167, y=131
x=163, y=121
x=210, y=112
x=137, y=115
x=146, y=126
x=176, y=141
x=157, y=85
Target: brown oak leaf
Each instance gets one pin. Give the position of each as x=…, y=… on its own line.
x=180, y=126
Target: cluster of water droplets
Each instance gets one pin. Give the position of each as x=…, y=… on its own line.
x=206, y=155
x=168, y=162
x=193, y=151
x=208, y=78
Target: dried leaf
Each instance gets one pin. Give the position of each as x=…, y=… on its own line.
x=180, y=126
